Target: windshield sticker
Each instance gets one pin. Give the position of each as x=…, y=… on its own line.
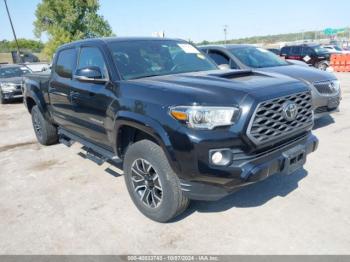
x=189, y=49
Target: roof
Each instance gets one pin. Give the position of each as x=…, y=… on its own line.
x=230, y=46
x=305, y=44
x=118, y=39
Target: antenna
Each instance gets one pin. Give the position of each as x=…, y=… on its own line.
x=13, y=31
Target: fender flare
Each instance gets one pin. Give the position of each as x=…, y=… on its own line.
x=150, y=127
x=33, y=91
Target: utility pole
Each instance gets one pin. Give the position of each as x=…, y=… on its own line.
x=302, y=35
x=225, y=33
x=13, y=31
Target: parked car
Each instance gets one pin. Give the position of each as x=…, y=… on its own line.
x=334, y=49
x=11, y=77
x=325, y=86
x=37, y=67
x=182, y=128
x=276, y=51
x=312, y=54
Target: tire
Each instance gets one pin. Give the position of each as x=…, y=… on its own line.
x=2, y=99
x=45, y=132
x=322, y=66
x=158, y=205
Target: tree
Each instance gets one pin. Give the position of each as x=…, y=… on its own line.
x=204, y=42
x=69, y=20
x=24, y=44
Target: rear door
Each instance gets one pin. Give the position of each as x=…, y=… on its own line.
x=295, y=53
x=90, y=101
x=60, y=87
x=309, y=55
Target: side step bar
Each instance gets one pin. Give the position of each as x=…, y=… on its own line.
x=93, y=152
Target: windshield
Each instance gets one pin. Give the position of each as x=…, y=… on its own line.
x=8, y=72
x=144, y=58
x=320, y=50
x=257, y=57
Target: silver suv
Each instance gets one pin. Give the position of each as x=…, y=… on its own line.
x=326, y=93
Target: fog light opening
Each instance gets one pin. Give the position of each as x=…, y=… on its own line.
x=220, y=157
x=216, y=158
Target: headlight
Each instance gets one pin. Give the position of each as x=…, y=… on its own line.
x=8, y=87
x=336, y=85
x=205, y=117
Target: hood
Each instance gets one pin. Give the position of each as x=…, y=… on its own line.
x=308, y=74
x=221, y=87
x=15, y=80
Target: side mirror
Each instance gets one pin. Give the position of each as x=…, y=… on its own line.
x=224, y=67
x=90, y=74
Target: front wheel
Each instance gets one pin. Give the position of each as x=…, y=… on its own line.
x=152, y=184
x=322, y=66
x=2, y=99
x=45, y=132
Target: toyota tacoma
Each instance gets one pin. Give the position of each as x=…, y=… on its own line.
x=181, y=128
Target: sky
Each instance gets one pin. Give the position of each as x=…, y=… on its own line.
x=197, y=20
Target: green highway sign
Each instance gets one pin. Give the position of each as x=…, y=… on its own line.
x=333, y=31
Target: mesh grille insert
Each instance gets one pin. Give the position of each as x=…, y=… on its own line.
x=325, y=87
x=269, y=122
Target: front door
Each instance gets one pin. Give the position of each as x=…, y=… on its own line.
x=90, y=101
x=60, y=87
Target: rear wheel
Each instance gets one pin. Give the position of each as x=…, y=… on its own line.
x=152, y=184
x=322, y=66
x=45, y=132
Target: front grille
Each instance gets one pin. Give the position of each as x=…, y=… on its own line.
x=19, y=87
x=325, y=87
x=269, y=122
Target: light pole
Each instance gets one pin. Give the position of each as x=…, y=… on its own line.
x=302, y=35
x=13, y=31
x=225, y=33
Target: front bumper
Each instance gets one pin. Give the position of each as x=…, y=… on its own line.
x=325, y=104
x=247, y=170
x=12, y=95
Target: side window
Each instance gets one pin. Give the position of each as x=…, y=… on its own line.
x=204, y=50
x=65, y=63
x=296, y=50
x=307, y=51
x=92, y=56
x=311, y=51
x=219, y=58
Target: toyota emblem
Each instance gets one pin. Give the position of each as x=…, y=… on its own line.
x=289, y=110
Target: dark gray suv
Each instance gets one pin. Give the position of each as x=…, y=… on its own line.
x=326, y=93
x=11, y=77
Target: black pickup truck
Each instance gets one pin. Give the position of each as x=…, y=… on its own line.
x=181, y=128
